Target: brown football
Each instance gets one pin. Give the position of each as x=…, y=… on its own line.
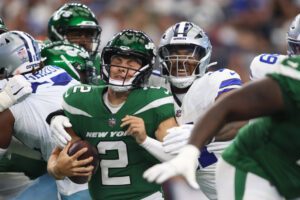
x=92, y=151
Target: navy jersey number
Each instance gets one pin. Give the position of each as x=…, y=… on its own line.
x=207, y=158
x=268, y=58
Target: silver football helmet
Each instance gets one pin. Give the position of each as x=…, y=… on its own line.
x=184, y=54
x=293, y=37
x=19, y=53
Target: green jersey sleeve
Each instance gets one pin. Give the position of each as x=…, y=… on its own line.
x=288, y=78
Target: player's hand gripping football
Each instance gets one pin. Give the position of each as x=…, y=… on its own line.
x=136, y=128
x=58, y=132
x=66, y=165
x=185, y=164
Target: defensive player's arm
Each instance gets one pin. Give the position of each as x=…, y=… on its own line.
x=255, y=99
x=229, y=130
x=7, y=121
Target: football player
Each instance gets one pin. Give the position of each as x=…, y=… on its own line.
x=74, y=59
x=263, y=161
x=184, y=54
x=121, y=118
x=265, y=63
x=20, y=57
x=76, y=23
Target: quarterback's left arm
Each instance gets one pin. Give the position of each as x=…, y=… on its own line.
x=136, y=128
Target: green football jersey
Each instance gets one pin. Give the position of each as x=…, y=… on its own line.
x=270, y=146
x=122, y=160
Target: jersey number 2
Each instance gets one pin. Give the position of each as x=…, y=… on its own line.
x=122, y=162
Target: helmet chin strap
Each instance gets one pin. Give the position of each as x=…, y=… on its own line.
x=120, y=86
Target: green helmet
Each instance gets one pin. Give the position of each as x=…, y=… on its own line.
x=3, y=28
x=73, y=20
x=72, y=58
x=129, y=43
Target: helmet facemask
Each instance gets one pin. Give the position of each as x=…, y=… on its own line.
x=293, y=37
x=127, y=77
x=182, y=64
x=293, y=47
x=87, y=37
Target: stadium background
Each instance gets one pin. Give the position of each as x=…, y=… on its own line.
x=238, y=29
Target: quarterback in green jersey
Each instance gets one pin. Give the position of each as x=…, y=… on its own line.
x=264, y=160
x=122, y=119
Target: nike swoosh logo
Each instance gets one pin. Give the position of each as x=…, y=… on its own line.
x=18, y=91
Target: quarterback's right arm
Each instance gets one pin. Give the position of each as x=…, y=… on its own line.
x=60, y=164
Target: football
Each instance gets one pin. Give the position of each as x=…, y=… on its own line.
x=92, y=151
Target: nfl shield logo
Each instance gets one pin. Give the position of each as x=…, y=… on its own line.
x=111, y=122
x=178, y=113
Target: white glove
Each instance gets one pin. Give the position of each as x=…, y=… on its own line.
x=185, y=164
x=177, y=138
x=16, y=89
x=58, y=132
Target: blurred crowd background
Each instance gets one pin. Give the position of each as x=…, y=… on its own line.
x=238, y=29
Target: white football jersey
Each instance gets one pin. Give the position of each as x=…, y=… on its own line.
x=30, y=125
x=199, y=98
x=204, y=91
x=263, y=64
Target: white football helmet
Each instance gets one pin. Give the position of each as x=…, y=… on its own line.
x=293, y=37
x=19, y=53
x=184, y=54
